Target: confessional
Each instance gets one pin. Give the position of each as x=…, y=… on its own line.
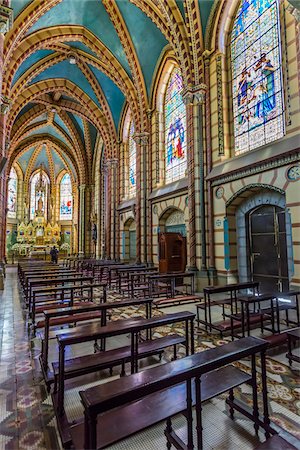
x=172, y=252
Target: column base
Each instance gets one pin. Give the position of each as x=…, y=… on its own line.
x=213, y=276
x=202, y=279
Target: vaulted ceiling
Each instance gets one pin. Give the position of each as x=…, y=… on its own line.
x=60, y=108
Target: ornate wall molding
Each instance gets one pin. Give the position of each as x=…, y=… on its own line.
x=260, y=168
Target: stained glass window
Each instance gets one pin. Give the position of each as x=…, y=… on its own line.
x=66, y=198
x=175, y=129
x=256, y=75
x=38, y=199
x=12, y=194
x=132, y=161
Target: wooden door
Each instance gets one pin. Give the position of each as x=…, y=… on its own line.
x=267, y=247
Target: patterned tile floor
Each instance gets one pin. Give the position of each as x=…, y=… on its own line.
x=26, y=414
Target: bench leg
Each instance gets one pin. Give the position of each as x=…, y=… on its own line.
x=175, y=352
x=231, y=400
x=168, y=431
x=123, y=373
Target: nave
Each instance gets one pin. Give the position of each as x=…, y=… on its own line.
x=28, y=419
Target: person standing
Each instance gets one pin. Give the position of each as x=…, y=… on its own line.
x=54, y=254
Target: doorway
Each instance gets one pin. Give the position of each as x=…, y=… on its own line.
x=267, y=244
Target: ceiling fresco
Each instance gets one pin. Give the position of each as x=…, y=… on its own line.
x=72, y=67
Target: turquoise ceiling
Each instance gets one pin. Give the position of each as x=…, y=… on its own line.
x=30, y=61
x=181, y=6
x=147, y=39
x=48, y=129
x=80, y=46
x=114, y=96
x=42, y=158
x=23, y=160
x=92, y=15
x=205, y=9
x=70, y=72
x=18, y=5
x=60, y=123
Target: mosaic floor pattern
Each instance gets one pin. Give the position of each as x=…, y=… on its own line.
x=26, y=414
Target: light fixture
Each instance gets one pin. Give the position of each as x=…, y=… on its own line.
x=72, y=58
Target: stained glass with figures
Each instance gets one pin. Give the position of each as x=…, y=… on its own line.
x=256, y=75
x=132, y=161
x=175, y=129
x=66, y=198
x=12, y=194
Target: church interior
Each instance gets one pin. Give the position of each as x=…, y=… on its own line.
x=149, y=224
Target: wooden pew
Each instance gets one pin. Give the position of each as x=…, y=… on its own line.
x=228, y=294
x=44, y=274
x=104, y=308
x=56, y=282
x=93, y=332
x=167, y=283
x=63, y=296
x=120, y=408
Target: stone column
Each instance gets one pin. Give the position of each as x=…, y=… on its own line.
x=142, y=142
x=81, y=218
x=194, y=98
x=212, y=272
x=107, y=210
x=6, y=20
x=114, y=205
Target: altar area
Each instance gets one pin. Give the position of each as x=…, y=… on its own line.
x=38, y=236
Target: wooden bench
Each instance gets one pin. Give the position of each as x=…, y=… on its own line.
x=221, y=296
x=36, y=285
x=63, y=296
x=103, y=308
x=170, y=282
x=119, y=356
x=116, y=410
x=165, y=301
x=133, y=327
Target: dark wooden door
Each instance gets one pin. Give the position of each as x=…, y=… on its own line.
x=267, y=247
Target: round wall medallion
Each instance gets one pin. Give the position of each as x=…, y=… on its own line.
x=293, y=173
x=155, y=209
x=219, y=192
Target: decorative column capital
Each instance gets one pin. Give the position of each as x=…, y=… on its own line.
x=4, y=103
x=6, y=18
x=82, y=187
x=194, y=94
x=141, y=138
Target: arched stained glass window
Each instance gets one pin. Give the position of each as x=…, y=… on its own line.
x=39, y=197
x=12, y=194
x=256, y=75
x=175, y=129
x=132, y=161
x=65, y=198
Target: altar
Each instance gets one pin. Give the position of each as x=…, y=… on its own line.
x=39, y=234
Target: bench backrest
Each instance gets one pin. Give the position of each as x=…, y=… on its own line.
x=234, y=287
x=107, y=396
x=91, y=331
